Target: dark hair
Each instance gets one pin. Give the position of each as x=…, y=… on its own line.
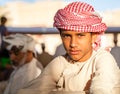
x=3, y=19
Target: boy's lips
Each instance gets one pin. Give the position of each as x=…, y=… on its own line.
x=74, y=52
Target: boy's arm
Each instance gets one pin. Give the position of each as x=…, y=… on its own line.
x=106, y=76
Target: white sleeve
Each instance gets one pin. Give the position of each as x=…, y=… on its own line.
x=46, y=82
x=106, y=75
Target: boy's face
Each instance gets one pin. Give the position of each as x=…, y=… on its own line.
x=78, y=45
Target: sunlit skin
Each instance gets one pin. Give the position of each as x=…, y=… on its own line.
x=78, y=45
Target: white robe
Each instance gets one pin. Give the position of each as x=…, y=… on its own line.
x=22, y=76
x=98, y=75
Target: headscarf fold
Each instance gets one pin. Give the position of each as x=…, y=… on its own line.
x=20, y=40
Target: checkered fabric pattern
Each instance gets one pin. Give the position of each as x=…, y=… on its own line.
x=79, y=16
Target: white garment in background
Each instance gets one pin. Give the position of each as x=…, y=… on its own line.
x=22, y=76
x=100, y=70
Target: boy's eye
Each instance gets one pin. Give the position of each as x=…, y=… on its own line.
x=80, y=35
x=65, y=36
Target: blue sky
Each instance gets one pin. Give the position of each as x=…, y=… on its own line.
x=100, y=5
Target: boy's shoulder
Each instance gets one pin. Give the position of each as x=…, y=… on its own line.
x=102, y=51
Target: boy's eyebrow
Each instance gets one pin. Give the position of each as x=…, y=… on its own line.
x=65, y=34
x=81, y=34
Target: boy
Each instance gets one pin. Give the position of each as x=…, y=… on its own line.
x=86, y=68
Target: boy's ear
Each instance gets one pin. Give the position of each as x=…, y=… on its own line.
x=94, y=37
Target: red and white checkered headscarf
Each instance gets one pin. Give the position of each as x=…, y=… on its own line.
x=80, y=17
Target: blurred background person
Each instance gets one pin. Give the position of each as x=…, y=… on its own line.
x=26, y=66
x=3, y=29
x=5, y=69
x=115, y=51
x=44, y=57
